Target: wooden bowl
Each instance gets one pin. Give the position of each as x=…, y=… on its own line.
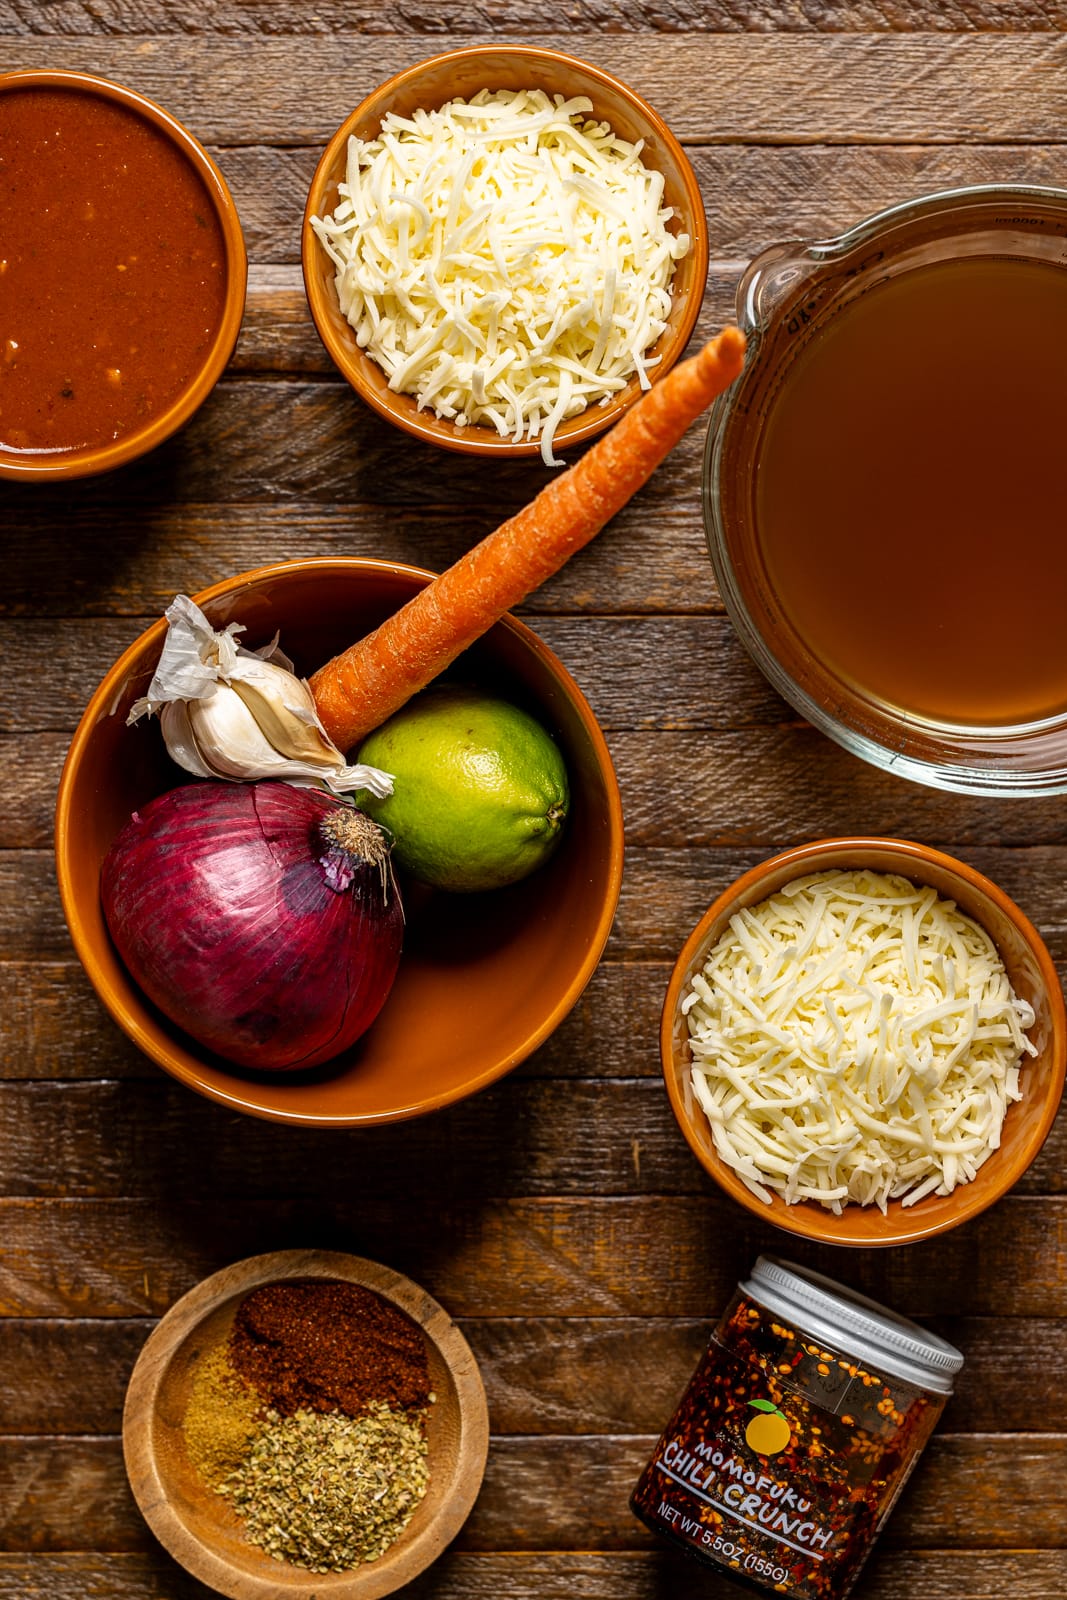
x=1033, y=978
x=462, y=73
x=147, y=123
x=199, y=1527
x=484, y=979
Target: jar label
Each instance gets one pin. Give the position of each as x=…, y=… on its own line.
x=758, y=1520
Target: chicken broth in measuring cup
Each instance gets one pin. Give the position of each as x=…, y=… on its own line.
x=882, y=486
x=909, y=491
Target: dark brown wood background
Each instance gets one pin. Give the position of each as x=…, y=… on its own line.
x=565, y=1225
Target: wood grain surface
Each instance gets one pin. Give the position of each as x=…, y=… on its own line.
x=559, y=1216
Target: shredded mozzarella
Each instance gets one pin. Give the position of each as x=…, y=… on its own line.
x=855, y=1038
x=505, y=260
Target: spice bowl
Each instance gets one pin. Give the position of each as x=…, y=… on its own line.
x=460, y=74
x=1032, y=977
x=199, y=1527
x=107, y=361
x=483, y=978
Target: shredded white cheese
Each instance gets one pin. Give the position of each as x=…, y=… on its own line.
x=505, y=260
x=855, y=1038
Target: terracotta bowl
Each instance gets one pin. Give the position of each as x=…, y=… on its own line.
x=484, y=979
x=88, y=460
x=461, y=73
x=1033, y=977
x=200, y=1529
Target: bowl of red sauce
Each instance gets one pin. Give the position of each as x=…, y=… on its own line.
x=122, y=275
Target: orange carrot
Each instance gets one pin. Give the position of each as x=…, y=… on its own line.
x=360, y=688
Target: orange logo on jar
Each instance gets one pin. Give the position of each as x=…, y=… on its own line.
x=767, y=1433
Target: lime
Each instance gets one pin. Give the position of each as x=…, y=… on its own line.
x=480, y=789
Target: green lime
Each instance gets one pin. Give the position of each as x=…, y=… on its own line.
x=480, y=789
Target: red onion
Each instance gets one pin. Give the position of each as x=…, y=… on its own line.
x=261, y=918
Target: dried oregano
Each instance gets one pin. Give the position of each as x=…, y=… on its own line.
x=327, y=1491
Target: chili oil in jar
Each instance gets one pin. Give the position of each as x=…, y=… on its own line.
x=796, y=1434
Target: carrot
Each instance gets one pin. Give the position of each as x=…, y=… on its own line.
x=360, y=688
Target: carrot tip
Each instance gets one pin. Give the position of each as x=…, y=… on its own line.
x=728, y=346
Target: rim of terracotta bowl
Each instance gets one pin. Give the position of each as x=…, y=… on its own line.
x=903, y=1225
x=94, y=459
x=147, y=1420
x=364, y=374
x=180, y=1060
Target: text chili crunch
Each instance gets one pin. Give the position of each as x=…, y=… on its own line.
x=787, y=1452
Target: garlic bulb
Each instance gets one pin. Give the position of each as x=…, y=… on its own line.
x=228, y=712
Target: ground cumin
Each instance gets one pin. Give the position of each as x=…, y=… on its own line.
x=325, y=1346
x=221, y=1417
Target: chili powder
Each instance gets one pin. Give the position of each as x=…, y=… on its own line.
x=796, y=1434
x=321, y=1345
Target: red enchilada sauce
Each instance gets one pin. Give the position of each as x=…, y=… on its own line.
x=112, y=271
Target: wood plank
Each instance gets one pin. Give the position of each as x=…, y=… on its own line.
x=718, y=686
x=647, y=561
x=753, y=196
x=523, y=1136
x=633, y=1575
x=679, y=1256
x=752, y=776
x=561, y=1492
x=664, y=891
x=543, y=1375
x=805, y=191
x=331, y=449
x=520, y=1137
x=52, y=1027
x=944, y=88
x=452, y=21
x=723, y=735
x=719, y=711
x=799, y=191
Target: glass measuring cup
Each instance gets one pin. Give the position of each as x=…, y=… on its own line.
x=788, y=298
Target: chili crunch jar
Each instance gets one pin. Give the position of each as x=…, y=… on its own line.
x=796, y=1434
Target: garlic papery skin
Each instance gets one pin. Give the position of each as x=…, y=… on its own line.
x=242, y=715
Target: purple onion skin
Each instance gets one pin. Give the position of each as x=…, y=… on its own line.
x=266, y=943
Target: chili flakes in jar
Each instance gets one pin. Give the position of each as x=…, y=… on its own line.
x=796, y=1434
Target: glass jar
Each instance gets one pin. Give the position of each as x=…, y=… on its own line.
x=796, y=1434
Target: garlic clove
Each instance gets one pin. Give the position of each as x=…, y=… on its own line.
x=284, y=708
x=178, y=738
x=229, y=739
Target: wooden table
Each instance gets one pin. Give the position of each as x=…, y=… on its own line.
x=566, y=1225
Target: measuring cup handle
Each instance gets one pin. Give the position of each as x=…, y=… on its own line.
x=766, y=281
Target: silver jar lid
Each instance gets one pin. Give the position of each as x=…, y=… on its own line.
x=854, y=1325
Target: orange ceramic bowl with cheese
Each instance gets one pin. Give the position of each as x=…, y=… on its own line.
x=460, y=74
x=1033, y=979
